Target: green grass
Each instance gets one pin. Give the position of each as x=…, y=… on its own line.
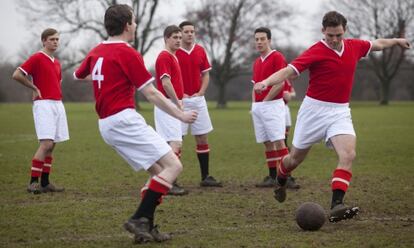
x=102, y=191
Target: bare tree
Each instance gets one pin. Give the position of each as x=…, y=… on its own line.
x=373, y=19
x=81, y=23
x=225, y=28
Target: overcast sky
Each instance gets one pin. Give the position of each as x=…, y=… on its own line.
x=14, y=29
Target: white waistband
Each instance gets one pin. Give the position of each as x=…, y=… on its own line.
x=310, y=100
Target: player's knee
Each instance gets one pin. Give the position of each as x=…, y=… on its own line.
x=177, y=167
x=348, y=156
x=46, y=146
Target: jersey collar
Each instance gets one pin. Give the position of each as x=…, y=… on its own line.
x=339, y=53
x=267, y=55
x=47, y=55
x=188, y=51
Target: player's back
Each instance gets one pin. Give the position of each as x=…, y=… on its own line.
x=116, y=70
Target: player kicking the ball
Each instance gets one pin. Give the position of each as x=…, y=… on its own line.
x=117, y=70
x=325, y=113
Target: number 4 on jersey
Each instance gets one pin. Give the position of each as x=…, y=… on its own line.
x=96, y=72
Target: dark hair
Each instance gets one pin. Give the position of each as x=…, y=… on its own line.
x=48, y=32
x=116, y=17
x=186, y=23
x=168, y=31
x=264, y=30
x=333, y=19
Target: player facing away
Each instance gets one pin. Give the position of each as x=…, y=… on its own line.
x=288, y=93
x=268, y=108
x=325, y=113
x=48, y=110
x=195, y=69
x=117, y=70
x=170, y=83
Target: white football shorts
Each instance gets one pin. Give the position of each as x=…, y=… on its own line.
x=167, y=126
x=269, y=120
x=288, y=118
x=133, y=139
x=50, y=120
x=202, y=124
x=318, y=120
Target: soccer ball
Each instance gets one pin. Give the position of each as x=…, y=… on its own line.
x=310, y=216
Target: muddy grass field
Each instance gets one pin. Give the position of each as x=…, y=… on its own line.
x=102, y=191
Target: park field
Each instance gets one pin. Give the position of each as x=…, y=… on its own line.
x=102, y=191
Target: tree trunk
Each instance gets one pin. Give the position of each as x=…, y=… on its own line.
x=385, y=91
x=221, y=100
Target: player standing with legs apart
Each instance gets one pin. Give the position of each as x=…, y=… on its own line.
x=170, y=83
x=325, y=113
x=48, y=110
x=195, y=69
x=268, y=108
x=117, y=70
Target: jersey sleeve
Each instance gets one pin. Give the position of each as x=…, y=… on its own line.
x=163, y=67
x=304, y=61
x=28, y=66
x=205, y=65
x=135, y=69
x=83, y=70
x=363, y=47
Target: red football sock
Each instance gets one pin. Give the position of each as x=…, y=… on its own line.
x=341, y=179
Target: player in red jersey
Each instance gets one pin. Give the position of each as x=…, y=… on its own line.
x=268, y=108
x=170, y=83
x=117, y=70
x=324, y=113
x=195, y=73
x=48, y=110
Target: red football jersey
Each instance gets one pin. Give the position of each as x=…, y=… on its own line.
x=117, y=70
x=167, y=65
x=263, y=68
x=331, y=72
x=46, y=74
x=192, y=64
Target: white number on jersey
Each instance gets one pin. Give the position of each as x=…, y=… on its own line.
x=96, y=72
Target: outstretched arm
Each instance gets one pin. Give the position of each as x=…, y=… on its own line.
x=381, y=44
x=155, y=97
x=275, y=79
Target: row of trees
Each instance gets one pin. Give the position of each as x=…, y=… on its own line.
x=225, y=29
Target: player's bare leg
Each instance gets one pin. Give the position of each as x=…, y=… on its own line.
x=289, y=163
x=345, y=149
x=203, y=155
x=176, y=189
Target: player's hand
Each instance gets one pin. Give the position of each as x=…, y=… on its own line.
x=259, y=87
x=189, y=116
x=36, y=94
x=406, y=44
x=186, y=96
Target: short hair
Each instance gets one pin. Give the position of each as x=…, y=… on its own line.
x=168, y=31
x=186, y=23
x=264, y=30
x=333, y=19
x=48, y=32
x=116, y=17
